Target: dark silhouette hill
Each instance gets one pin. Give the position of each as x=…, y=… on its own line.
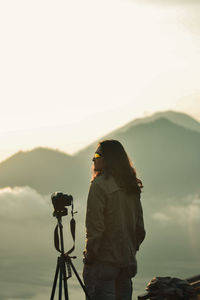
x=166, y=157
x=173, y=116
x=178, y=118
x=43, y=169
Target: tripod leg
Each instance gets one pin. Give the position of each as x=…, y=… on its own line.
x=60, y=284
x=63, y=268
x=55, y=281
x=79, y=279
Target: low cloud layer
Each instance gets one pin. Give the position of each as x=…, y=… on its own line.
x=180, y=214
x=27, y=254
x=177, y=227
x=28, y=257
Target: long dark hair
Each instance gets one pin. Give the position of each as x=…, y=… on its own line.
x=118, y=165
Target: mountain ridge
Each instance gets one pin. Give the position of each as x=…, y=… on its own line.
x=176, y=117
x=186, y=121
x=189, y=122
x=164, y=154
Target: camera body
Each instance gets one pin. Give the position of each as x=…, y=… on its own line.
x=61, y=200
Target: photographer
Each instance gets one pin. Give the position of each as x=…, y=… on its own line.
x=114, y=224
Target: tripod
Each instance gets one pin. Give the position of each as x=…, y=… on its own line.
x=64, y=260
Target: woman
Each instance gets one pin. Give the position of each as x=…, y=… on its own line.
x=114, y=224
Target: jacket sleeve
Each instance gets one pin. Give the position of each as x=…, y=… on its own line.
x=94, y=221
x=140, y=231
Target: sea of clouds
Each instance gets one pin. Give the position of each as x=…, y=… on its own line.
x=27, y=254
x=28, y=257
x=184, y=220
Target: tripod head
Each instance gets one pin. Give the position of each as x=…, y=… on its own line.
x=60, y=201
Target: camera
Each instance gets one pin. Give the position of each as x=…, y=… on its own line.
x=61, y=200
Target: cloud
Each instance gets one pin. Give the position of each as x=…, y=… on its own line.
x=163, y=218
x=27, y=254
x=182, y=215
x=177, y=227
x=28, y=257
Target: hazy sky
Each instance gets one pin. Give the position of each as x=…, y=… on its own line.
x=71, y=71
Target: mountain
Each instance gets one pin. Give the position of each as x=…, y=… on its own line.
x=176, y=117
x=43, y=169
x=166, y=157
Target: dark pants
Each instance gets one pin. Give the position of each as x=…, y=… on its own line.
x=107, y=282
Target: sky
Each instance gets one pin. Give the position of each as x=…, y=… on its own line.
x=72, y=71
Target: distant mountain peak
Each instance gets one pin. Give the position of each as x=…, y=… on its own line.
x=45, y=149
x=37, y=152
x=176, y=117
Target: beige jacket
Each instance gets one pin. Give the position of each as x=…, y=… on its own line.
x=114, y=223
